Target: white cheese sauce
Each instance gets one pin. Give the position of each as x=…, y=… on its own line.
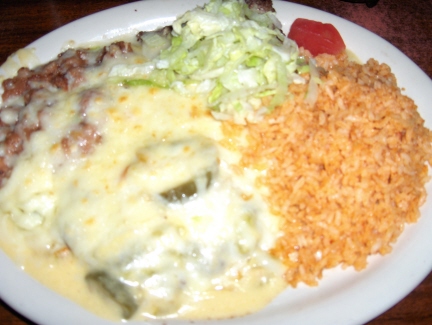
x=153, y=210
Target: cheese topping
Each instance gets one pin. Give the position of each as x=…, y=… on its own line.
x=133, y=188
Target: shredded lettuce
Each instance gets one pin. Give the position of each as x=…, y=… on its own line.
x=233, y=55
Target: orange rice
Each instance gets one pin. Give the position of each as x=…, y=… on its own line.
x=346, y=174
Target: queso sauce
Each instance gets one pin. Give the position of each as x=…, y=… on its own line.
x=110, y=188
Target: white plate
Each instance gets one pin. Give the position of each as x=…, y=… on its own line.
x=343, y=297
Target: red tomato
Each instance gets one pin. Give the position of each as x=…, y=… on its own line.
x=316, y=37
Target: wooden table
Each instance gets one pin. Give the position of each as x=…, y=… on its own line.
x=405, y=23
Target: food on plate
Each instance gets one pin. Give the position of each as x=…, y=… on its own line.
x=316, y=37
x=176, y=172
x=346, y=174
x=134, y=184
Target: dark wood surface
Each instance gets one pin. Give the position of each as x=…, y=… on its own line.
x=407, y=24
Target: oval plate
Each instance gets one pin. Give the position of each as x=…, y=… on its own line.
x=344, y=296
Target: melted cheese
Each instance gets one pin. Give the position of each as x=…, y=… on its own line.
x=66, y=214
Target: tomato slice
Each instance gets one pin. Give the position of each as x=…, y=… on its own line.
x=316, y=37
